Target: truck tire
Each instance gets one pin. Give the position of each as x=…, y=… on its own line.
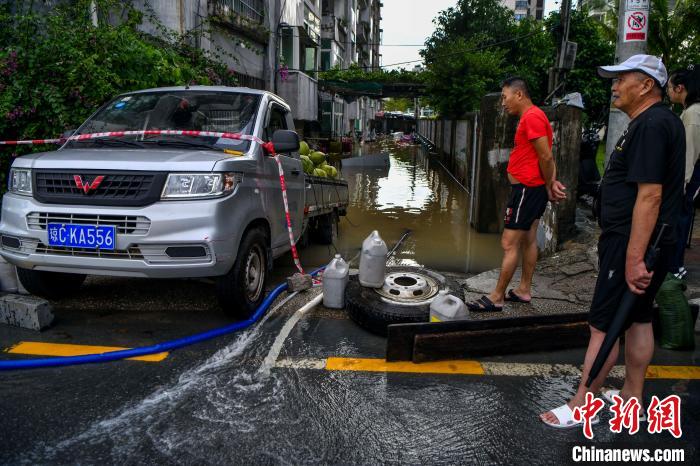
x=375, y=313
x=50, y=285
x=326, y=229
x=241, y=291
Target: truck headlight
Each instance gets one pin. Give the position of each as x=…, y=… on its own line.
x=199, y=185
x=20, y=181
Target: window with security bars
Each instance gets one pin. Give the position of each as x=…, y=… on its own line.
x=251, y=9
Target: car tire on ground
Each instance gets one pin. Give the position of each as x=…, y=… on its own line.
x=326, y=231
x=241, y=291
x=375, y=313
x=50, y=285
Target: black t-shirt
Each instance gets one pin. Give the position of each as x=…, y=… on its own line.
x=651, y=150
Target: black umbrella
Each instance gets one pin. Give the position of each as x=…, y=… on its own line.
x=626, y=305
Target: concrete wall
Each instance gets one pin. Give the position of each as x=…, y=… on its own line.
x=300, y=92
x=483, y=171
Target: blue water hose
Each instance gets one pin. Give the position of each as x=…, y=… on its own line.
x=146, y=350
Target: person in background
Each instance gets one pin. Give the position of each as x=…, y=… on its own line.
x=532, y=177
x=684, y=88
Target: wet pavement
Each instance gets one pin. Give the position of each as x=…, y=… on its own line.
x=227, y=401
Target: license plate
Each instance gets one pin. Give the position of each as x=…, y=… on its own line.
x=82, y=236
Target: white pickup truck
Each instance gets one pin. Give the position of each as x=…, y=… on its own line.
x=167, y=206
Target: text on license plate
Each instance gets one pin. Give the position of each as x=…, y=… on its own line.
x=82, y=236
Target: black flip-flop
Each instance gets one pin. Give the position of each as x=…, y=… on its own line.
x=514, y=298
x=484, y=304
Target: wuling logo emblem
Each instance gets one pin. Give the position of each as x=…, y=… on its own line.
x=87, y=187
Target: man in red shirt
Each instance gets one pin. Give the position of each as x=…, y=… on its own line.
x=532, y=177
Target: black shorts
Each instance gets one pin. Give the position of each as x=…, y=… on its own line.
x=611, y=284
x=525, y=205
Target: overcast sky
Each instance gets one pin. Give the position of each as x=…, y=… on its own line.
x=410, y=22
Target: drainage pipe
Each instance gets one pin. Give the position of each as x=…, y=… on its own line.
x=146, y=350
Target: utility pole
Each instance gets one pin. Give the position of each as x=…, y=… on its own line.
x=632, y=26
x=556, y=73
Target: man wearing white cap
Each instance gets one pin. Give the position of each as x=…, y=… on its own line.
x=641, y=190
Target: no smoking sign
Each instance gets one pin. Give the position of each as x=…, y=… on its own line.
x=635, y=26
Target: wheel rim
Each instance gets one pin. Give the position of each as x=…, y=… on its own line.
x=408, y=288
x=254, y=273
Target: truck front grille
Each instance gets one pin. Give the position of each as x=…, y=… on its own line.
x=126, y=224
x=133, y=189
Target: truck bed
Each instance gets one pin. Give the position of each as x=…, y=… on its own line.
x=324, y=195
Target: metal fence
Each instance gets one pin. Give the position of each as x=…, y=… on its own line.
x=251, y=9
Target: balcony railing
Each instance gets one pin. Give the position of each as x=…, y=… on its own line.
x=250, y=9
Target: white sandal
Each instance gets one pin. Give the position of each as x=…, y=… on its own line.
x=608, y=395
x=565, y=416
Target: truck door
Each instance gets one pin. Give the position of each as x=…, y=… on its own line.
x=279, y=118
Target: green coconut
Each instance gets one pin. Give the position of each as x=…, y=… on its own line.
x=308, y=165
x=317, y=157
x=329, y=170
x=304, y=148
x=333, y=172
x=320, y=172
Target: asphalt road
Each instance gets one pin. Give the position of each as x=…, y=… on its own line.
x=214, y=403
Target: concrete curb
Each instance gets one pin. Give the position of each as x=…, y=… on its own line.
x=28, y=312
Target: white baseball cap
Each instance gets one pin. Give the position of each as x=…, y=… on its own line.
x=648, y=64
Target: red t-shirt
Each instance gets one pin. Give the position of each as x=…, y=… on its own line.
x=524, y=164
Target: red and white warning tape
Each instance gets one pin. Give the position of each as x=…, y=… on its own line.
x=149, y=132
x=268, y=146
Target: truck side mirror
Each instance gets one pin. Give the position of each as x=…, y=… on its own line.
x=285, y=140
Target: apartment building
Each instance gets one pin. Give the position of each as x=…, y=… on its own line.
x=280, y=45
x=525, y=8
x=350, y=33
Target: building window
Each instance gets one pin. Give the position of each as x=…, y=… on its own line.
x=519, y=16
x=310, y=59
x=326, y=60
x=288, y=47
x=312, y=24
x=251, y=9
x=522, y=4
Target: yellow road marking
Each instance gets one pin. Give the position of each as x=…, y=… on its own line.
x=381, y=365
x=61, y=349
x=478, y=368
x=673, y=372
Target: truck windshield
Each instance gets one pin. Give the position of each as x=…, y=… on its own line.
x=224, y=112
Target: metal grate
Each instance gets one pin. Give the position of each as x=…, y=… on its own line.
x=126, y=224
x=133, y=252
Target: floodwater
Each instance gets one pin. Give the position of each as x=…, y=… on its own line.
x=414, y=194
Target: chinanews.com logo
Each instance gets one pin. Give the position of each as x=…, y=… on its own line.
x=661, y=415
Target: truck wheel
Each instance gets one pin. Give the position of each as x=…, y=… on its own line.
x=241, y=291
x=327, y=229
x=50, y=285
x=405, y=298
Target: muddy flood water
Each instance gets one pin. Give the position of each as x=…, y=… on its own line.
x=414, y=194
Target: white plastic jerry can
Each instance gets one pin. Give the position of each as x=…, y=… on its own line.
x=446, y=307
x=335, y=277
x=373, y=261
